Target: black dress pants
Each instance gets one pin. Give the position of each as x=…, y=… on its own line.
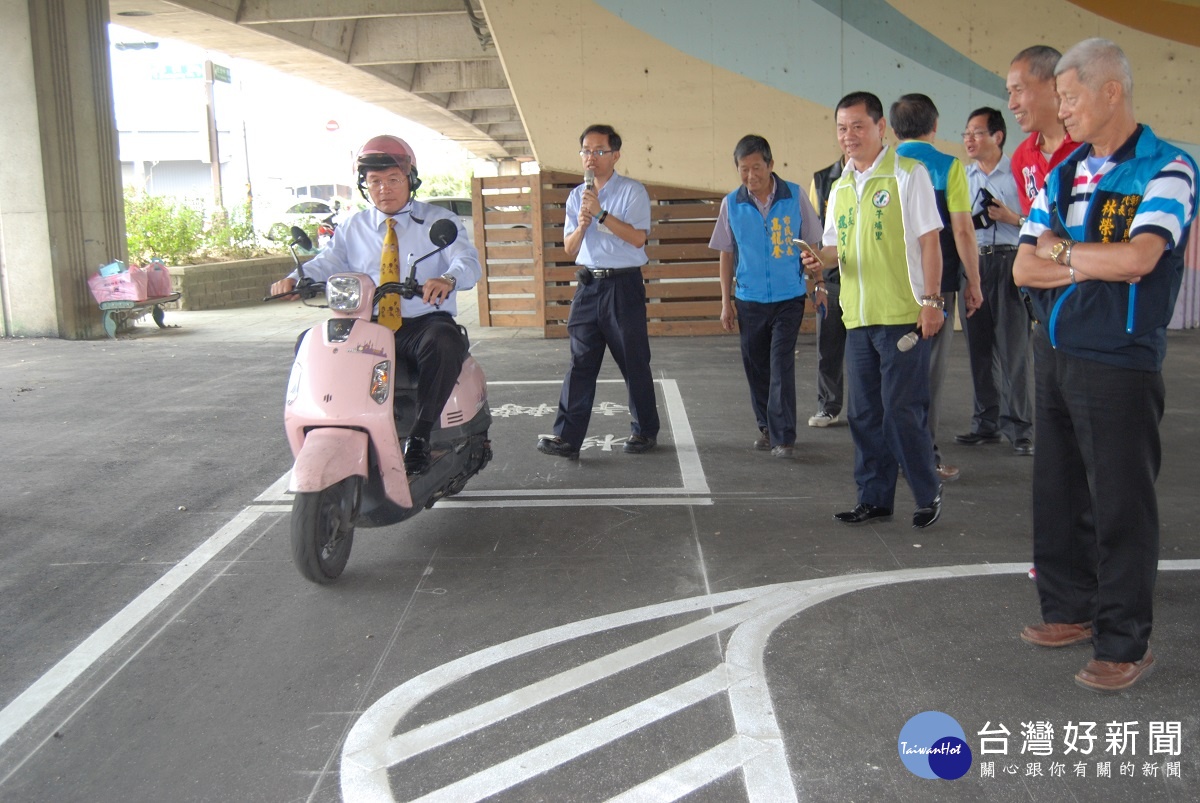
x=608, y=312
x=438, y=348
x=1095, y=513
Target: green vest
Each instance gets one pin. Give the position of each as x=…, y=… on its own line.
x=877, y=287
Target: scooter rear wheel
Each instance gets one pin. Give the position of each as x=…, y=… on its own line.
x=323, y=531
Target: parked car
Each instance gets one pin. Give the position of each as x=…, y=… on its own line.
x=316, y=216
x=460, y=207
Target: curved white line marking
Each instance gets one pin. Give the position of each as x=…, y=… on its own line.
x=756, y=747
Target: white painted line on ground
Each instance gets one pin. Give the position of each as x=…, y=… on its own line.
x=30, y=702
x=695, y=773
x=582, y=501
x=278, y=490
x=554, y=753
x=685, y=440
x=371, y=749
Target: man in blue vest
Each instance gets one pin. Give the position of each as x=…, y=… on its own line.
x=914, y=119
x=1102, y=259
x=763, y=280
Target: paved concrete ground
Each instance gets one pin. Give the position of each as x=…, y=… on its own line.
x=688, y=624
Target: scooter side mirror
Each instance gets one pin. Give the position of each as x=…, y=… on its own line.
x=443, y=232
x=300, y=237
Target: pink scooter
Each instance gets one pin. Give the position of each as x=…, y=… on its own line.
x=344, y=426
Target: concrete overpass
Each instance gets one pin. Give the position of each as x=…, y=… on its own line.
x=513, y=79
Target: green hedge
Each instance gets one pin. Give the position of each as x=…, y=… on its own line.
x=179, y=233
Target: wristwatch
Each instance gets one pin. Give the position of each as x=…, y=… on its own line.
x=446, y=277
x=1059, y=248
x=937, y=302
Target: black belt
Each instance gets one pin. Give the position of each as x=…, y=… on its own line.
x=987, y=250
x=608, y=273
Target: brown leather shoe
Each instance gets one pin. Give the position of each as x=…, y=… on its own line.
x=1057, y=634
x=1112, y=676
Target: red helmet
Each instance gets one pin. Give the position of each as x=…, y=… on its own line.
x=382, y=152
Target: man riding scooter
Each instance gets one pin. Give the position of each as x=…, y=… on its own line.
x=372, y=242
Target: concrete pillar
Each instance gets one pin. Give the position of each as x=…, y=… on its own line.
x=61, y=214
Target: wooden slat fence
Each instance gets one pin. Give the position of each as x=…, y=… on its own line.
x=528, y=280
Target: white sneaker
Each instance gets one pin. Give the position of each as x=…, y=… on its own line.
x=822, y=419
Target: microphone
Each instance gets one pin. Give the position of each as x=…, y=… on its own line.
x=909, y=340
x=589, y=178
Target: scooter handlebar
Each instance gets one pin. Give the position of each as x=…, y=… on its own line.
x=407, y=289
x=305, y=289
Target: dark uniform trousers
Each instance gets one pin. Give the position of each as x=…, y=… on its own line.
x=608, y=312
x=1095, y=514
x=437, y=346
x=831, y=349
x=889, y=415
x=768, y=334
x=998, y=344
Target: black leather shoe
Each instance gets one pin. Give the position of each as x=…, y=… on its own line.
x=924, y=516
x=416, y=456
x=976, y=438
x=1023, y=446
x=557, y=447
x=638, y=444
x=863, y=513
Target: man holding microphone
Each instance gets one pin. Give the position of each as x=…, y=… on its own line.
x=608, y=221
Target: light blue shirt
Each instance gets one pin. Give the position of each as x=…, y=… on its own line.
x=358, y=245
x=1003, y=185
x=628, y=201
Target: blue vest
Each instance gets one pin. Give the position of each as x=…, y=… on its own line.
x=1114, y=322
x=766, y=261
x=938, y=164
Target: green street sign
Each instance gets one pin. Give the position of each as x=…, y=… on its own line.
x=220, y=73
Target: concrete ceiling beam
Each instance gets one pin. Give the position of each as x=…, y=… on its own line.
x=481, y=99
x=451, y=76
x=503, y=131
x=257, y=12
x=500, y=114
x=427, y=38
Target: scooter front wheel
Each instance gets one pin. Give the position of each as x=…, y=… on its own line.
x=323, y=531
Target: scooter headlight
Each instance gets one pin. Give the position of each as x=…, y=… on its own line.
x=344, y=293
x=381, y=382
x=293, y=387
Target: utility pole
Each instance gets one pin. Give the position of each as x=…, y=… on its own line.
x=214, y=153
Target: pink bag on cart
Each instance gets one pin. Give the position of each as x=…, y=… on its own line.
x=122, y=285
x=158, y=279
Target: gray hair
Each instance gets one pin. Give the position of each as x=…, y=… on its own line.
x=1040, y=59
x=1097, y=61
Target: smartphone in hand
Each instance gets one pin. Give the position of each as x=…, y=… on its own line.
x=811, y=251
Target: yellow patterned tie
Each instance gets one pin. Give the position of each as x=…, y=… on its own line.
x=389, y=271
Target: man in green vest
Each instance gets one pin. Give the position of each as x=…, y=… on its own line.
x=882, y=224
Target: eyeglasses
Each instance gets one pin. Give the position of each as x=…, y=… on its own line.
x=974, y=133
x=586, y=153
x=392, y=184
